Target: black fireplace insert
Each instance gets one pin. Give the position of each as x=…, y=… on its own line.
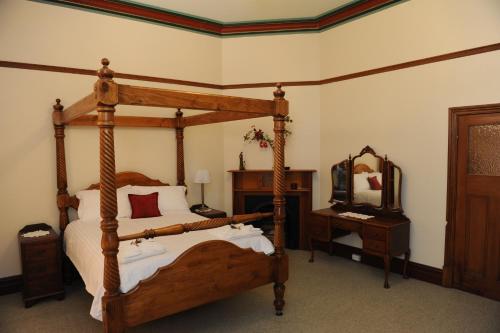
x=264, y=204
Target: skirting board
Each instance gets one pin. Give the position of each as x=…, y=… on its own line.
x=415, y=270
x=11, y=284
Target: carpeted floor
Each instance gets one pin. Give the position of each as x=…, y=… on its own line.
x=331, y=295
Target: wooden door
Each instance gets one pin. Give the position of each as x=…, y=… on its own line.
x=477, y=206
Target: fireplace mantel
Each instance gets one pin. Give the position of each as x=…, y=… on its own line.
x=260, y=182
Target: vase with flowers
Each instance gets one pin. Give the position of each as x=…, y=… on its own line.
x=262, y=138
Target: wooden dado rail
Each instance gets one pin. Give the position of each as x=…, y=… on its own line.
x=373, y=71
x=177, y=229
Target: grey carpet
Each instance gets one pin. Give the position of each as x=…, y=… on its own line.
x=331, y=295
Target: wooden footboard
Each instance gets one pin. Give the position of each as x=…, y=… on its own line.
x=205, y=273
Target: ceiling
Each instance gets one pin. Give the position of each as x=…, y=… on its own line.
x=230, y=11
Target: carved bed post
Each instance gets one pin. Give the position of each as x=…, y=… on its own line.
x=107, y=95
x=62, y=183
x=279, y=200
x=179, y=136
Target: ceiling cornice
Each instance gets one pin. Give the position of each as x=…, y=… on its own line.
x=169, y=18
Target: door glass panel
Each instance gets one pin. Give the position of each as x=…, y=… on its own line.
x=484, y=150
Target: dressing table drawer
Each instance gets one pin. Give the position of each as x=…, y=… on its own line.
x=319, y=227
x=374, y=246
x=375, y=233
x=346, y=225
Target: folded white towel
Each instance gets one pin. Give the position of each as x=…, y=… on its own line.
x=236, y=232
x=130, y=252
x=36, y=233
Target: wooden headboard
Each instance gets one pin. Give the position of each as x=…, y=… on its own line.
x=361, y=167
x=122, y=179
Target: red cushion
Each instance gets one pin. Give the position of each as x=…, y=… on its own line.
x=144, y=205
x=374, y=183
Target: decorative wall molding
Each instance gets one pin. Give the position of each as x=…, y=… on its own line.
x=390, y=68
x=413, y=63
x=170, y=18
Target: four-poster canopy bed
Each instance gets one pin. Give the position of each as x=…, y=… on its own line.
x=216, y=268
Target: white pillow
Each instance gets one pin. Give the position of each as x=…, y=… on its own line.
x=170, y=198
x=89, y=208
x=361, y=182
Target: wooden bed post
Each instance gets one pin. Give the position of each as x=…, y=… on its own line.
x=179, y=136
x=279, y=199
x=107, y=95
x=62, y=183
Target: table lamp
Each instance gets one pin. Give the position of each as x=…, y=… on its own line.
x=202, y=177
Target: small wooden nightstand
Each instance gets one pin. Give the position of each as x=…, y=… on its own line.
x=211, y=214
x=41, y=264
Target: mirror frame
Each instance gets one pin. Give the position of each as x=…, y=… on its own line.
x=382, y=162
x=397, y=198
x=347, y=186
x=385, y=208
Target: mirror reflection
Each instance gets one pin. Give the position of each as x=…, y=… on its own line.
x=367, y=180
x=339, y=182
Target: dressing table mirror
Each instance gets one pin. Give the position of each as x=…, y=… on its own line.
x=367, y=183
x=367, y=179
x=366, y=199
x=340, y=181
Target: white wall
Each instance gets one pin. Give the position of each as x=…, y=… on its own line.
x=274, y=58
x=404, y=113
x=53, y=35
x=407, y=31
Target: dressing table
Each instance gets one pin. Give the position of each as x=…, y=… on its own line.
x=384, y=229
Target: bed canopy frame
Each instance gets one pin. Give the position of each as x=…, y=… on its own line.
x=217, y=268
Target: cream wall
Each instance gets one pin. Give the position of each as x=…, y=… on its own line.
x=274, y=58
x=404, y=113
x=410, y=30
x=60, y=36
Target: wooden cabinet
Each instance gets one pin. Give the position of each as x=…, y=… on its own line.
x=41, y=264
x=382, y=236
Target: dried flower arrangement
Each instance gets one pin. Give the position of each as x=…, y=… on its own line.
x=261, y=137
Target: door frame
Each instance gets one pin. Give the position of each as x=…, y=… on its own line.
x=453, y=118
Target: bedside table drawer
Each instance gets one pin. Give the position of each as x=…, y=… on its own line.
x=40, y=252
x=42, y=286
x=41, y=264
x=41, y=268
x=375, y=233
x=319, y=227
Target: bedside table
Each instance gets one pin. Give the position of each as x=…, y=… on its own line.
x=41, y=264
x=211, y=214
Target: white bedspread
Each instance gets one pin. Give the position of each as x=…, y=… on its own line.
x=82, y=241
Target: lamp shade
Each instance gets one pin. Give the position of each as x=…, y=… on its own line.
x=202, y=177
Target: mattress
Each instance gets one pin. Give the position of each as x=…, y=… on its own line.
x=82, y=244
